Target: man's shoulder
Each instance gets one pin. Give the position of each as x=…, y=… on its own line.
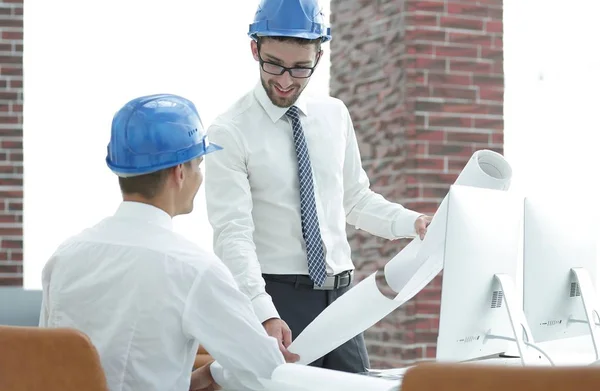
x=325, y=104
x=240, y=112
x=186, y=251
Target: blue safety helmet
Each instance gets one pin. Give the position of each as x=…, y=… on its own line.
x=290, y=18
x=154, y=132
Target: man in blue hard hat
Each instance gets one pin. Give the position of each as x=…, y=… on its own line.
x=290, y=178
x=146, y=296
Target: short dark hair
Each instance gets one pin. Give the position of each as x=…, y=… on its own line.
x=299, y=41
x=147, y=185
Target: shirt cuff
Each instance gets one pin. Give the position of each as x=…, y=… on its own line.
x=264, y=307
x=216, y=371
x=404, y=225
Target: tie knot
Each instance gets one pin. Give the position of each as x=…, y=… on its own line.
x=293, y=112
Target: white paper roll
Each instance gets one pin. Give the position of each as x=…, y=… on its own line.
x=407, y=273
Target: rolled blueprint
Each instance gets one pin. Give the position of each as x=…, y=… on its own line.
x=407, y=273
x=294, y=377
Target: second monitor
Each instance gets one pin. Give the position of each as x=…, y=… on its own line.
x=559, y=271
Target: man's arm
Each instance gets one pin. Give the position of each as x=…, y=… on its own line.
x=366, y=209
x=229, y=208
x=221, y=317
x=46, y=276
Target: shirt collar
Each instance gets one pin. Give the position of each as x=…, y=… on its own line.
x=274, y=112
x=144, y=213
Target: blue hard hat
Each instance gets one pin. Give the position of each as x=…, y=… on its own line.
x=290, y=18
x=154, y=132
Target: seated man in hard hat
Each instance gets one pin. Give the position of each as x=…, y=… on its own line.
x=145, y=296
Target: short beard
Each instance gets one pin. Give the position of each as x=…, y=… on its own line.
x=278, y=101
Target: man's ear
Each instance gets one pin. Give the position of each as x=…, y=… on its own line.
x=319, y=55
x=254, y=49
x=178, y=174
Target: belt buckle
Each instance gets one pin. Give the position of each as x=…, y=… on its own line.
x=328, y=285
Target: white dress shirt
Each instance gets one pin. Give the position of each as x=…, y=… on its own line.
x=147, y=298
x=253, y=198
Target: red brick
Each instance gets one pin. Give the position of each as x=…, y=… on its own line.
x=473, y=10
x=429, y=163
x=433, y=192
x=16, y=157
x=497, y=139
x=423, y=62
x=448, y=79
x=11, y=144
x=12, y=206
x=423, y=34
x=477, y=39
x=429, y=135
x=493, y=26
x=491, y=80
x=7, y=218
x=450, y=121
x=18, y=194
x=12, y=243
x=8, y=95
x=471, y=137
x=421, y=19
x=456, y=22
x=473, y=108
x=493, y=53
x=15, y=83
x=454, y=93
x=456, y=51
x=489, y=123
x=450, y=150
x=10, y=22
x=497, y=42
x=416, y=148
x=491, y=93
x=5, y=269
x=430, y=6
x=11, y=281
x=430, y=352
x=425, y=48
x=18, y=35
x=470, y=66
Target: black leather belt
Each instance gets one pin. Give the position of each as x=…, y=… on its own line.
x=338, y=281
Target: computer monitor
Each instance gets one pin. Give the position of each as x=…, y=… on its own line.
x=480, y=315
x=559, y=270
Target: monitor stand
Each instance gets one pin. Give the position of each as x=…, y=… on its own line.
x=518, y=322
x=590, y=305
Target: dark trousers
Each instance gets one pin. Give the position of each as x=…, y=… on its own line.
x=299, y=305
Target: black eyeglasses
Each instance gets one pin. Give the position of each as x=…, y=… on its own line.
x=276, y=69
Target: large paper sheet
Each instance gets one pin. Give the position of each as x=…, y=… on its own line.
x=294, y=377
x=407, y=273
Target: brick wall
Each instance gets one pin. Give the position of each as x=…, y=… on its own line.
x=424, y=84
x=11, y=142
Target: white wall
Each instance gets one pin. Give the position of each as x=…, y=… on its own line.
x=83, y=60
x=552, y=101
